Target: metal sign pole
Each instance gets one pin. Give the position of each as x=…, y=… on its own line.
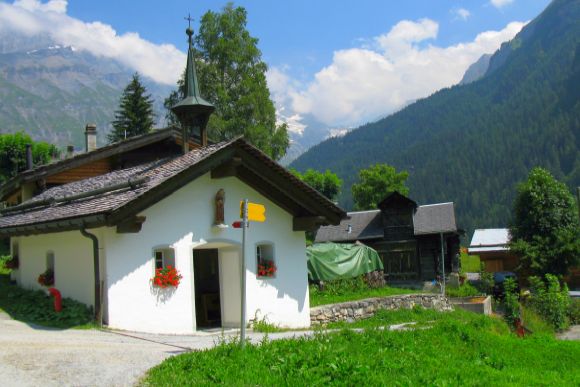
x=443, y=266
x=243, y=274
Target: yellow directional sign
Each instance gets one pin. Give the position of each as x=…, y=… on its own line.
x=256, y=212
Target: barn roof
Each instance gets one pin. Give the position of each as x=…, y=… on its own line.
x=365, y=225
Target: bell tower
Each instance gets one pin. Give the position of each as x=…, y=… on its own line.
x=193, y=111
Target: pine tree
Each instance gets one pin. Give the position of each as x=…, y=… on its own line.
x=135, y=115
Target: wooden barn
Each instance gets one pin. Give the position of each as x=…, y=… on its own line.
x=410, y=239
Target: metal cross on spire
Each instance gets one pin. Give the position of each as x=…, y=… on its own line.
x=189, y=31
x=189, y=19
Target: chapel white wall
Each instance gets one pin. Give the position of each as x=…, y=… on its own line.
x=73, y=263
x=184, y=221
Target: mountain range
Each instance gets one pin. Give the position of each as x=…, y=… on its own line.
x=52, y=91
x=472, y=143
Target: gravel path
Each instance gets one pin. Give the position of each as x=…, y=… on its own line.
x=37, y=356
x=572, y=333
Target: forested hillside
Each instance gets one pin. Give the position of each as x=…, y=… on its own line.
x=472, y=144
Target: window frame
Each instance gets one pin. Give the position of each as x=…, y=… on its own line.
x=260, y=258
x=164, y=257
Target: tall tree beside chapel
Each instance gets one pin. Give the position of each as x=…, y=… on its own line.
x=375, y=183
x=135, y=115
x=326, y=183
x=232, y=76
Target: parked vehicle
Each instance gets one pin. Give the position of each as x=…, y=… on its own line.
x=499, y=279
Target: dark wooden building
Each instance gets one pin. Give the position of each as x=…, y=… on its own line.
x=407, y=236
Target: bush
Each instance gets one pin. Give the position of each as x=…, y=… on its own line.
x=485, y=280
x=511, y=302
x=550, y=300
x=34, y=306
x=3, y=268
x=574, y=311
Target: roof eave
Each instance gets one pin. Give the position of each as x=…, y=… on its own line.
x=61, y=225
x=46, y=169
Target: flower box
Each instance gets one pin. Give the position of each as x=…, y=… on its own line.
x=46, y=278
x=266, y=269
x=166, y=277
x=13, y=263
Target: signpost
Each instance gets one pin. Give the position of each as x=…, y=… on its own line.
x=257, y=213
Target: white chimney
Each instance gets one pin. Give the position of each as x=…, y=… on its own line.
x=91, y=137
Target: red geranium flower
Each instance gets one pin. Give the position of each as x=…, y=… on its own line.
x=168, y=276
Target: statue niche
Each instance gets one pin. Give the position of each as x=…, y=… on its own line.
x=220, y=199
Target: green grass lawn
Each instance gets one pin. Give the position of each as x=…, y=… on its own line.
x=37, y=308
x=470, y=263
x=343, y=294
x=458, y=349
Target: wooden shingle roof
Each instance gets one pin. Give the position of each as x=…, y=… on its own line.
x=366, y=225
x=111, y=198
x=57, y=166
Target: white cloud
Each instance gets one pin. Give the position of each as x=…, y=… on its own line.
x=461, y=13
x=501, y=3
x=163, y=63
x=363, y=84
x=281, y=89
x=58, y=6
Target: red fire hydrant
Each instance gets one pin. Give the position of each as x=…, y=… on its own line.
x=57, y=299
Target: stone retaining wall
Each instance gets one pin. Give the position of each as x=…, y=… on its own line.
x=361, y=309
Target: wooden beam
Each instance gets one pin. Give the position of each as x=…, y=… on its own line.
x=131, y=226
x=273, y=193
x=227, y=169
x=308, y=223
x=275, y=179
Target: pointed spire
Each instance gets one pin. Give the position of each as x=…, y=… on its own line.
x=191, y=84
x=193, y=111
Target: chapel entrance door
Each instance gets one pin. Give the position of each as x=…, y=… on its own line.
x=207, y=288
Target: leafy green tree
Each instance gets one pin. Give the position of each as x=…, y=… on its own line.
x=232, y=76
x=135, y=115
x=326, y=183
x=13, y=154
x=545, y=230
x=375, y=183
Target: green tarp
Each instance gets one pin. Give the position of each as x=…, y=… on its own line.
x=330, y=261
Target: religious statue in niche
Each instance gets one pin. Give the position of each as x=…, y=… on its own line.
x=220, y=198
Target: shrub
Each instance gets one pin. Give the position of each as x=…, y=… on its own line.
x=511, y=302
x=485, y=280
x=11, y=263
x=574, y=311
x=34, y=306
x=550, y=300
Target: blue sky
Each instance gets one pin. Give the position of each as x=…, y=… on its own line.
x=332, y=63
x=303, y=34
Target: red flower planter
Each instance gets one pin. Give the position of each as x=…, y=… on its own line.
x=166, y=277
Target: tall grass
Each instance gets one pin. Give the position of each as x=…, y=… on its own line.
x=469, y=263
x=454, y=351
x=351, y=289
